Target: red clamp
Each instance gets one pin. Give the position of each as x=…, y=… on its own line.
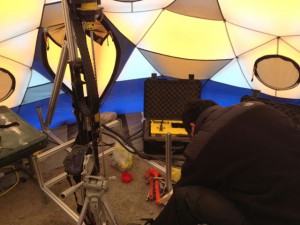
x=152, y=177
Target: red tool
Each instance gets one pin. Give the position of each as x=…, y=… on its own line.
x=151, y=175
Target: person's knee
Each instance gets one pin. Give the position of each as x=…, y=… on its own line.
x=208, y=205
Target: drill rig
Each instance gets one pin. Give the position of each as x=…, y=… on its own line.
x=81, y=18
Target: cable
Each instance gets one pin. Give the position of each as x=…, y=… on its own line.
x=15, y=184
x=129, y=147
x=137, y=137
x=129, y=138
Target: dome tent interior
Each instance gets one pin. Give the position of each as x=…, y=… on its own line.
x=234, y=48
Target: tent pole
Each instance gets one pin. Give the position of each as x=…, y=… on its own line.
x=68, y=52
x=168, y=161
x=57, y=83
x=72, y=46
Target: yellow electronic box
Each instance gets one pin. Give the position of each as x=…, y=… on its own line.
x=160, y=127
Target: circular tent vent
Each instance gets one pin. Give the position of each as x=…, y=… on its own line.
x=8, y=84
x=277, y=72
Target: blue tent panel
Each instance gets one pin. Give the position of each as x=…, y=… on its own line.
x=63, y=113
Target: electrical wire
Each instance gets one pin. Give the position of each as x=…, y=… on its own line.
x=15, y=184
x=129, y=147
x=129, y=138
x=137, y=137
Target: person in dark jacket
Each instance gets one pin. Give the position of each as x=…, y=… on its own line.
x=242, y=168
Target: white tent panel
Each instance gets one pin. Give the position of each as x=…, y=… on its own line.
x=51, y=1
x=138, y=6
x=52, y=15
x=238, y=35
x=186, y=37
x=265, y=16
x=136, y=67
x=22, y=76
x=231, y=74
x=293, y=41
x=18, y=17
x=295, y=92
x=247, y=63
x=21, y=48
x=151, y=5
x=105, y=59
x=53, y=57
x=133, y=25
x=37, y=79
x=181, y=68
x=115, y=6
x=208, y=9
x=289, y=51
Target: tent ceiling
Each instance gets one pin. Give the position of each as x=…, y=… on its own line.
x=273, y=17
x=208, y=9
x=178, y=66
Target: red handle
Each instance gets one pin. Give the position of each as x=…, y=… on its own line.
x=157, y=192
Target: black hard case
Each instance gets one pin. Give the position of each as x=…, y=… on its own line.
x=291, y=111
x=165, y=100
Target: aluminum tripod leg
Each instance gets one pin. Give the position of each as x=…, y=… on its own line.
x=83, y=210
x=108, y=210
x=104, y=208
x=96, y=203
